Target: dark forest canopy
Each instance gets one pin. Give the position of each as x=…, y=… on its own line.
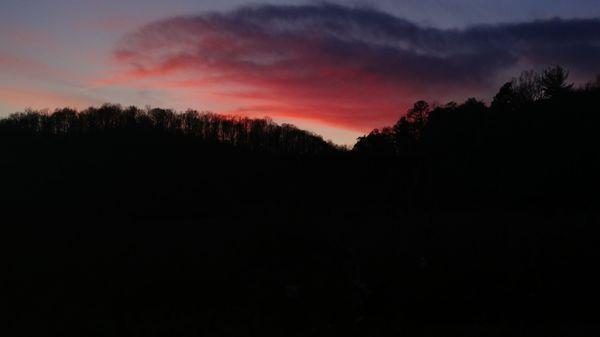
x=255, y=135
x=523, y=107
x=536, y=141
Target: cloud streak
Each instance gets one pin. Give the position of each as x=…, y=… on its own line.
x=350, y=66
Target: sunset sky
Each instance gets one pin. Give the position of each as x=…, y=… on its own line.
x=339, y=68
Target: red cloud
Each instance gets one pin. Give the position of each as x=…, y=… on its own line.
x=351, y=67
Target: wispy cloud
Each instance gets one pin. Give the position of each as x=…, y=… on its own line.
x=350, y=66
x=20, y=98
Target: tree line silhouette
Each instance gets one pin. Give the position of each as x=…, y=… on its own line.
x=422, y=124
x=460, y=220
x=536, y=140
x=256, y=135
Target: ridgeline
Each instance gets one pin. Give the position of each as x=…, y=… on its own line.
x=461, y=219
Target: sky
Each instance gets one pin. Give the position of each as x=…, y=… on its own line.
x=337, y=68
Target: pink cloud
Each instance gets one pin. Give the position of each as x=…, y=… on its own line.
x=350, y=67
x=10, y=63
x=40, y=99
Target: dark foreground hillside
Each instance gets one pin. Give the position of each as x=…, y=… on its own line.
x=158, y=231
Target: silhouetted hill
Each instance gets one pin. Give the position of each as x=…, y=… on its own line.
x=462, y=219
x=131, y=124
x=535, y=145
